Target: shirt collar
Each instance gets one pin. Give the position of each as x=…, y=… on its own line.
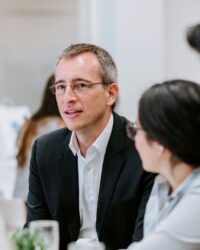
x=73, y=144
x=162, y=186
x=100, y=143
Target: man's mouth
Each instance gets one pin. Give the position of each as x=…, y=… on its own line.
x=72, y=112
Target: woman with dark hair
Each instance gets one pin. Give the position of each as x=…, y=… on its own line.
x=167, y=137
x=44, y=120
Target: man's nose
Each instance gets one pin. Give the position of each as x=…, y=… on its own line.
x=69, y=93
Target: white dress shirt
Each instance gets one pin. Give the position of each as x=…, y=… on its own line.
x=89, y=173
x=172, y=222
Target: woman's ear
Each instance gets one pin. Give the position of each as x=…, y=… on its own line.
x=159, y=149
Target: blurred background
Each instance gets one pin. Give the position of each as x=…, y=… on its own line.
x=147, y=39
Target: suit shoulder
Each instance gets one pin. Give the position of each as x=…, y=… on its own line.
x=54, y=136
x=120, y=120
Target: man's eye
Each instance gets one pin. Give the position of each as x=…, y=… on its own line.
x=60, y=86
x=82, y=85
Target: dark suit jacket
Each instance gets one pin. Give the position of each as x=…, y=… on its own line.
x=124, y=188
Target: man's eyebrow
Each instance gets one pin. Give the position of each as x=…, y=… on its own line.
x=80, y=79
x=59, y=81
x=73, y=80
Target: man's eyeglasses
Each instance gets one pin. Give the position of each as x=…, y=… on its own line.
x=131, y=129
x=78, y=87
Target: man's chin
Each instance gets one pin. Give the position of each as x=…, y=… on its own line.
x=73, y=128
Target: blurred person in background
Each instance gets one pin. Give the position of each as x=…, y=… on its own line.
x=44, y=120
x=193, y=37
x=167, y=137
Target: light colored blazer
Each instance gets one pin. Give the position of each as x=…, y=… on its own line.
x=177, y=225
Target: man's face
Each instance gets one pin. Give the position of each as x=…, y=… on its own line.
x=88, y=111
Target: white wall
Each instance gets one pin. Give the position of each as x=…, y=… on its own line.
x=147, y=40
x=33, y=34
x=132, y=31
x=145, y=37
x=181, y=61
x=139, y=49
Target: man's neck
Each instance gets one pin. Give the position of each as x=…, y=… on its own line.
x=86, y=139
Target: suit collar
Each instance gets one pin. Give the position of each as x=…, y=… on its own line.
x=118, y=133
x=68, y=171
x=112, y=166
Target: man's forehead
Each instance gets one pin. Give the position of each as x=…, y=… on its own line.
x=81, y=58
x=78, y=67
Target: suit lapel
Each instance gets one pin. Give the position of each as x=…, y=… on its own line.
x=112, y=165
x=70, y=188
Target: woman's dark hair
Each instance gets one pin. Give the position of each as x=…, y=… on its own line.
x=170, y=114
x=47, y=108
x=48, y=105
x=193, y=37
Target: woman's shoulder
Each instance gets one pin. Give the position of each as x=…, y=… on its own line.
x=184, y=221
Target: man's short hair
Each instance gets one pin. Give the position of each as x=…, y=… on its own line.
x=108, y=69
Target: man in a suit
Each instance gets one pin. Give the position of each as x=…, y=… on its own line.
x=88, y=177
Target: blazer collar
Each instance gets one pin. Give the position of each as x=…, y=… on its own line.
x=112, y=165
x=69, y=187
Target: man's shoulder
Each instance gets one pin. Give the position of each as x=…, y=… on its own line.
x=119, y=138
x=55, y=136
x=120, y=120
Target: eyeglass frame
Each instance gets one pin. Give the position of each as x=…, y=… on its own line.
x=131, y=130
x=75, y=87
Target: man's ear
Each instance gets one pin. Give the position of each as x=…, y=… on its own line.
x=112, y=93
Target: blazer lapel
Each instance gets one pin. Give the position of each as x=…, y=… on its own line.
x=70, y=188
x=113, y=163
